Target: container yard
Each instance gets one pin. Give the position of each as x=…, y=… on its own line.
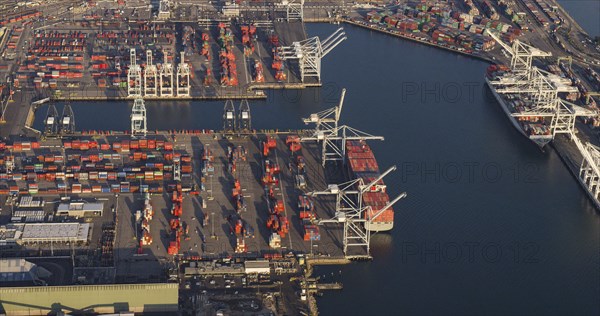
x=199, y=195
x=136, y=207
x=444, y=25
x=91, y=64
x=106, y=53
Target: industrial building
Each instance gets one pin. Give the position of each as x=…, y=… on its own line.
x=55, y=232
x=160, y=298
x=80, y=209
x=19, y=272
x=217, y=268
x=257, y=267
x=213, y=268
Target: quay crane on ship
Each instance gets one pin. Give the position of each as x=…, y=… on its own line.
x=362, y=204
x=51, y=122
x=526, y=83
x=67, y=120
x=229, y=117
x=244, y=120
x=529, y=96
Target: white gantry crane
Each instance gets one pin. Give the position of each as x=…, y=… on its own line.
x=67, y=120
x=138, y=118
x=332, y=136
x=294, y=10
x=183, y=77
x=52, y=126
x=134, y=76
x=150, y=77
x=309, y=53
x=522, y=54
x=244, y=118
x=541, y=93
x=589, y=172
x=327, y=119
x=166, y=77
x=538, y=89
x=164, y=10
x=229, y=117
x=352, y=214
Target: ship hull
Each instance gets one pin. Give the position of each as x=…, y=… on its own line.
x=540, y=140
x=379, y=227
x=361, y=163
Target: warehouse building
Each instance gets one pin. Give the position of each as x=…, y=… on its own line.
x=213, y=268
x=159, y=298
x=55, y=232
x=257, y=267
x=80, y=209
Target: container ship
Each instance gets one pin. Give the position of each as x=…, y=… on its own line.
x=361, y=163
x=536, y=128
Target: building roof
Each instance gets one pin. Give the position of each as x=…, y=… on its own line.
x=113, y=298
x=256, y=264
x=80, y=206
x=208, y=267
x=56, y=231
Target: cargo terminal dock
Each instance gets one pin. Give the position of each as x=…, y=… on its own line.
x=143, y=206
x=209, y=221
x=114, y=53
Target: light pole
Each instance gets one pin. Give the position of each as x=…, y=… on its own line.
x=212, y=220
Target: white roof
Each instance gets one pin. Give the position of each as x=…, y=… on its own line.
x=80, y=206
x=56, y=231
x=257, y=266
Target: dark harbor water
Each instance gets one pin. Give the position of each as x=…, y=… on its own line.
x=491, y=224
x=586, y=13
